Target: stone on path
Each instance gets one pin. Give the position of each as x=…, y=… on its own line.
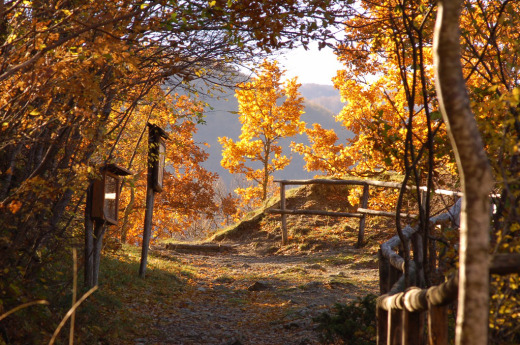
x=259, y=286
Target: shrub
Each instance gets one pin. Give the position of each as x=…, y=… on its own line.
x=353, y=323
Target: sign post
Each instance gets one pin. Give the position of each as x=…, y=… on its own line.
x=156, y=159
x=101, y=210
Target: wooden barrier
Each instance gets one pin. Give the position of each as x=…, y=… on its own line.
x=402, y=317
x=361, y=213
x=409, y=312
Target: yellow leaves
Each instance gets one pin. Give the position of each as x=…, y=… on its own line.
x=265, y=119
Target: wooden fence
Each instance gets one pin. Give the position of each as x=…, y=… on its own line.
x=361, y=212
x=420, y=316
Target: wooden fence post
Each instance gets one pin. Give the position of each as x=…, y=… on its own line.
x=284, y=216
x=394, y=327
x=437, y=325
x=384, y=272
x=412, y=331
x=382, y=326
x=364, y=204
x=99, y=232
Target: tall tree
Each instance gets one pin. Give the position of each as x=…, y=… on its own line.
x=269, y=111
x=475, y=175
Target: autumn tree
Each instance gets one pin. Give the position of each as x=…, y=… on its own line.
x=269, y=111
x=188, y=193
x=393, y=111
x=73, y=76
x=476, y=178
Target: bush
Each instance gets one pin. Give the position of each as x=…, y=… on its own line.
x=353, y=323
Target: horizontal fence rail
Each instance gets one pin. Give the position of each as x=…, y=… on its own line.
x=362, y=210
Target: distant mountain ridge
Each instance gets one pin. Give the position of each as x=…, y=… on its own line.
x=322, y=103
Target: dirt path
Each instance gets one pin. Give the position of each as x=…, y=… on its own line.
x=242, y=297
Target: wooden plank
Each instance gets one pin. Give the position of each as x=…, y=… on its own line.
x=321, y=181
x=412, y=328
x=503, y=264
x=382, y=326
x=437, y=325
x=315, y=212
x=442, y=191
x=384, y=184
x=394, y=327
x=388, y=248
x=384, y=273
x=99, y=232
x=364, y=205
x=375, y=183
x=284, y=215
x=363, y=210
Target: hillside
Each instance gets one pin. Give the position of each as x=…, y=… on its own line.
x=322, y=103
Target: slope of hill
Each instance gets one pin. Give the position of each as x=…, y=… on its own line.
x=322, y=103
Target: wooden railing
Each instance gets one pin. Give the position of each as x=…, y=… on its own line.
x=403, y=316
x=420, y=316
x=361, y=211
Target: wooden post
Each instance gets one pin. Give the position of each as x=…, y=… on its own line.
x=437, y=325
x=101, y=210
x=382, y=326
x=284, y=216
x=156, y=152
x=418, y=256
x=394, y=327
x=384, y=271
x=364, y=204
x=99, y=232
x=412, y=333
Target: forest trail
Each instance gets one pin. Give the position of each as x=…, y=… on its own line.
x=259, y=292
x=243, y=297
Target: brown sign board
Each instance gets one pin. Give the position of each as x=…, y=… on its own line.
x=105, y=193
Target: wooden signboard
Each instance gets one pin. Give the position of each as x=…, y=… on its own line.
x=105, y=194
x=158, y=164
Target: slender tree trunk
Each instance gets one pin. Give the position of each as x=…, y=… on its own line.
x=475, y=175
x=89, y=241
x=265, y=181
x=147, y=231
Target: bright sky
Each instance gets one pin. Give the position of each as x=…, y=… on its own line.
x=311, y=66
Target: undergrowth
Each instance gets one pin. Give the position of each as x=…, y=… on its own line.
x=352, y=324
x=108, y=316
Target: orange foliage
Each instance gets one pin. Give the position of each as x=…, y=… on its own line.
x=257, y=153
x=188, y=193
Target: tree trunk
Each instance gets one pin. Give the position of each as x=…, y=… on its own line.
x=89, y=241
x=475, y=176
x=147, y=231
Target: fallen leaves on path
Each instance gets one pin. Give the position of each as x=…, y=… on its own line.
x=218, y=306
